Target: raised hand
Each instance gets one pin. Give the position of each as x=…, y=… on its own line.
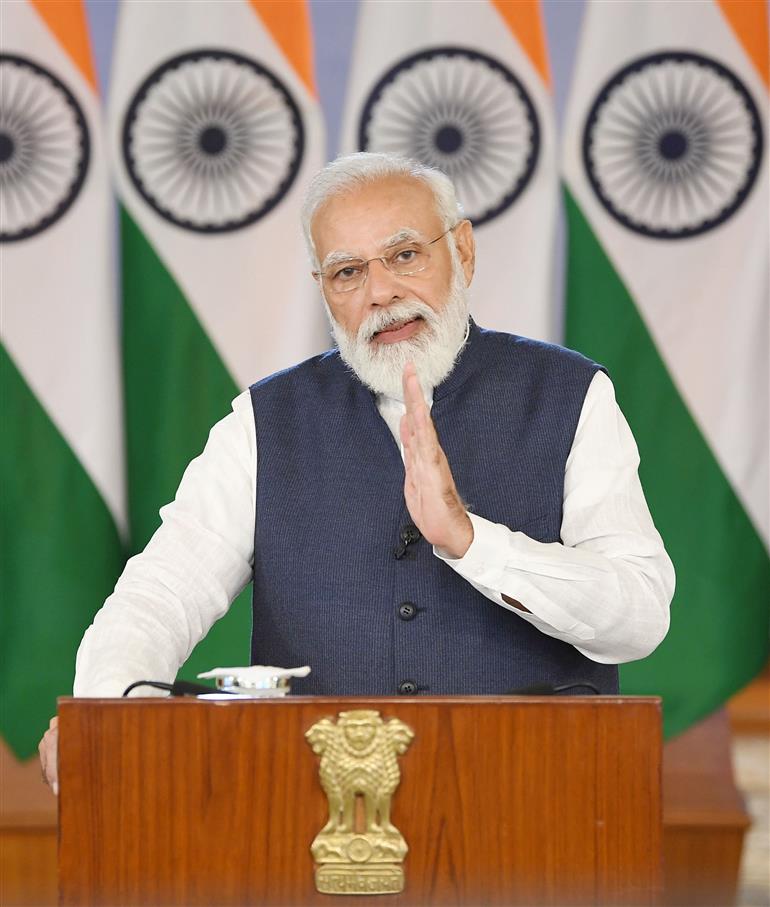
x=429, y=488
x=49, y=757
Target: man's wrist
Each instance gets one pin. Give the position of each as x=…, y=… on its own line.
x=457, y=546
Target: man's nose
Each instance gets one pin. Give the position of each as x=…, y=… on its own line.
x=382, y=286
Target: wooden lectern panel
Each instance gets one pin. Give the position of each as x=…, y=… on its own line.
x=552, y=800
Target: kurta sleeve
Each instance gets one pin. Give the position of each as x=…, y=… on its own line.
x=196, y=563
x=607, y=586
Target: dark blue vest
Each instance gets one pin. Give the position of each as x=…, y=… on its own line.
x=328, y=586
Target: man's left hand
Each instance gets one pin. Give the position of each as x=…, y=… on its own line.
x=429, y=488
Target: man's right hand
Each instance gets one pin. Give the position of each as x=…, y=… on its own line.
x=48, y=755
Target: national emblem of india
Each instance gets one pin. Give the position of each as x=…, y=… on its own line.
x=359, y=761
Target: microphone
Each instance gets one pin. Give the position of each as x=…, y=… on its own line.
x=188, y=688
x=548, y=689
x=177, y=688
x=534, y=689
x=409, y=535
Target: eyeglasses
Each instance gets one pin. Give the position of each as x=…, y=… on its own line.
x=406, y=259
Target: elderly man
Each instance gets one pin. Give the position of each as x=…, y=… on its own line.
x=429, y=507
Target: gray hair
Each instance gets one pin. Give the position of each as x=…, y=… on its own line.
x=353, y=171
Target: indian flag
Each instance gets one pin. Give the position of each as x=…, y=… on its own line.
x=215, y=131
x=465, y=87
x=667, y=196
x=63, y=507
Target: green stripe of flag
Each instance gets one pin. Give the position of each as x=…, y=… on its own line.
x=61, y=557
x=719, y=617
x=176, y=385
x=176, y=388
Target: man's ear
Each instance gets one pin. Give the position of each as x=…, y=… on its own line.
x=466, y=249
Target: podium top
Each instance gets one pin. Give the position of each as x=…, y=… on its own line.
x=584, y=701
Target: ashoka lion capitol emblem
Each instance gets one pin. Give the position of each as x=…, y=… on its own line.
x=359, y=758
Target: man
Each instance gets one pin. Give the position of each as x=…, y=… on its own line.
x=430, y=507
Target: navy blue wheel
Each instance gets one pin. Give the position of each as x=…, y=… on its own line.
x=45, y=148
x=466, y=114
x=212, y=140
x=672, y=145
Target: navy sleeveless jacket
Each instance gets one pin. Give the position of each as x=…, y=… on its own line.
x=330, y=589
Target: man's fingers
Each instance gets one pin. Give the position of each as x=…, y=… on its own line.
x=424, y=457
x=421, y=423
x=413, y=397
x=410, y=455
x=405, y=431
x=407, y=386
x=423, y=444
x=48, y=755
x=418, y=422
x=426, y=438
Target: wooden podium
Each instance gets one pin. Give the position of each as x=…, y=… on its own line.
x=516, y=801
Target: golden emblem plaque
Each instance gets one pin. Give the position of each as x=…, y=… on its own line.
x=359, y=850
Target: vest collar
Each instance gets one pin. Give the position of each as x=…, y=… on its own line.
x=468, y=363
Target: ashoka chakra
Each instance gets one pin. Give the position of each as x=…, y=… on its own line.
x=44, y=148
x=672, y=145
x=212, y=140
x=463, y=112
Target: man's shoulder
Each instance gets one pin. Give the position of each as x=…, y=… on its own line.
x=537, y=352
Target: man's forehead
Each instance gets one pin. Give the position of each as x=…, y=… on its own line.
x=376, y=216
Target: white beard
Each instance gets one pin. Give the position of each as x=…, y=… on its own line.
x=434, y=350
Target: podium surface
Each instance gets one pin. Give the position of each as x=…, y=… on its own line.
x=548, y=800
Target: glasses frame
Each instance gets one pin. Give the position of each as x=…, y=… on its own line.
x=321, y=275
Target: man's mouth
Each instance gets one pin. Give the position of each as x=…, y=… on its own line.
x=398, y=330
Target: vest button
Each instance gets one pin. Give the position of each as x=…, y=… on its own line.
x=410, y=534
x=407, y=688
x=406, y=611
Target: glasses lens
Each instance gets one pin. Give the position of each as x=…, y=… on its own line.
x=351, y=275
x=348, y=275
x=409, y=260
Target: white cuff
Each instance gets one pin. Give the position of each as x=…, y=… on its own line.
x=486, y=565
x=481, y=563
